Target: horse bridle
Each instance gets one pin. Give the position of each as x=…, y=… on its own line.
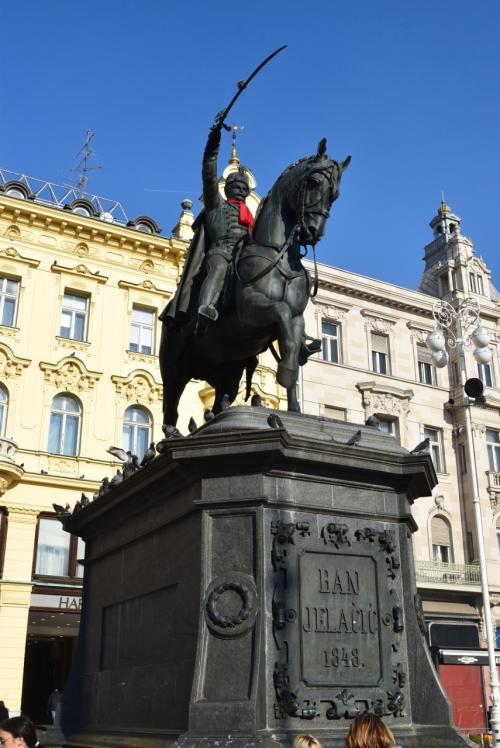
x=296, y=229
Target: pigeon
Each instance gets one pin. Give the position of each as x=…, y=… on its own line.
x=275, y=421
x=103, y=488
x=44, y=472
x=116, y=479
x=192, y=427
x=208, y=415
x=225, y=402
x=21, y=465
x=149, y=455
x=62, y=511
x=130, y=461
x=373, y=421
x=171, y=432
x=256, y=401
x=84, y=500
x=355, y=439
x=422, y=446
x=81, y=477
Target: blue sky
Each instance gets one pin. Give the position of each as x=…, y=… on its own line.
x=410, y=90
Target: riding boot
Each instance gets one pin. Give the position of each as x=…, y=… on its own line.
x=308, y=349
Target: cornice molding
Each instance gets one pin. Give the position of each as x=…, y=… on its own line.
x=146, y=285
x=139, y=387
x=79, y=271
x=52, y=219
x=70, y=374
x=11, y=365
x=10, y=253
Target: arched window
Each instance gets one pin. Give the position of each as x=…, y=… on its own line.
x=442, y=548
x=4, y=400
x=64, y=429
x=136, y=430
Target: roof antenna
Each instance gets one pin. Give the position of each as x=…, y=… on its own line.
x=82, y=168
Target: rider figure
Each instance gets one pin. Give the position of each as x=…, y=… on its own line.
x=226, y=223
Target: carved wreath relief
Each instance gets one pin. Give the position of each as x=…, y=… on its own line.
x=337, y=620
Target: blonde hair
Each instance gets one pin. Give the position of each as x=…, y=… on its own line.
x=306, y=741
x=369, y=731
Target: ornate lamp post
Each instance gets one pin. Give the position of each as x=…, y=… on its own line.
x=459, y=328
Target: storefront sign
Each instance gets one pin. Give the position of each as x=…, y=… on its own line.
x=70, y=603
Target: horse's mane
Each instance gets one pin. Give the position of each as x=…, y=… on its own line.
x=285, y=173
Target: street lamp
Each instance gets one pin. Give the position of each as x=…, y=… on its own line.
x=454, y=330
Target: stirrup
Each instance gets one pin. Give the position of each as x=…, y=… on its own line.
x=209, y=311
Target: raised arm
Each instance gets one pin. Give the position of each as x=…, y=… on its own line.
x=209, y=170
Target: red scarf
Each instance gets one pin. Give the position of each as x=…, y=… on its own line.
x=245, y=218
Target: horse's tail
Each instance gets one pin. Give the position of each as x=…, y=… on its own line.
x=250, y=366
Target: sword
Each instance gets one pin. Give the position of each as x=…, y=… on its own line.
x=221, y=116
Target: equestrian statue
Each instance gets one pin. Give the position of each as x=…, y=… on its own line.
x=244, y=286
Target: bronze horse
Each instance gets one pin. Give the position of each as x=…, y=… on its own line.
x=271, y=288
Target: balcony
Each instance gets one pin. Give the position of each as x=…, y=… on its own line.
x=10, y=473
x=440, y=572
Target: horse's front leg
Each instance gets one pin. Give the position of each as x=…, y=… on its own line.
x=259, y=310
x=297, y=336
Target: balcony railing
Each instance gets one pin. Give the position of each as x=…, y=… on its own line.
x=493, y=480
x=444, y=573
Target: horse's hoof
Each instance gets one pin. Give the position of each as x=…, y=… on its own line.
x=208, y=311
x=286, y=377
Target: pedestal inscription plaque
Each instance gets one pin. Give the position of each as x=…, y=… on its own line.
x=338, y=619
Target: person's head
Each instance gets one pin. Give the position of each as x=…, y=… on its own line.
x=18, y=732
x=237, y=185
x=369, y=731
x=306, y=741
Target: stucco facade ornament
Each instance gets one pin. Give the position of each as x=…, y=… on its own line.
x=13, y=232
x=81, y=250
x=23, y=514
x=330, y=312
x=479, y=429
x=147, y=267
x=13, y=254
x=419, y=334
x=439, y=501
x=377, y=323
x=79, y=270
x=378, y=398
x=10, y=365
x=139, y=387
x=70, y=374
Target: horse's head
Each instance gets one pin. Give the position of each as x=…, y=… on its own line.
x=314, y=192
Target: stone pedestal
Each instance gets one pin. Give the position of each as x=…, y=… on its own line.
x=252, y=584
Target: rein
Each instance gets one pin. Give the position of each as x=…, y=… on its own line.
x=314, y=285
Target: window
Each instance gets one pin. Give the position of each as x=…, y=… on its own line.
x=9, y=292
x=380, y=353
x=338, y=413
x=462, y=459
x=74, y=317
x=387, y=425
x=426, y=371
x=441, y=540
x=436, y=447
x=4, y=400
x=476, y=283
x=485, y=374
x=57, y=552
x=142, y=330
x=64, y=429
x=454, y=374
x=470, y=547
x=330, y=339
x=498, y=533
x=136, y=430
x=493, y=446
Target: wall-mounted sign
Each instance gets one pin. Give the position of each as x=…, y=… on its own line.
x=70, y=603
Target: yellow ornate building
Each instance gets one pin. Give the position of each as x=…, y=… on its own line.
x=81, y=288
